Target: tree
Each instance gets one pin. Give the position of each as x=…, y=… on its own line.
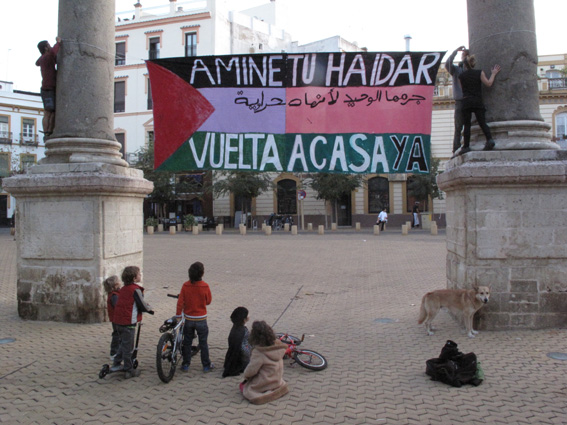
x=165, y=184
x=423, y=186
x=332, y=187
x=244, y=185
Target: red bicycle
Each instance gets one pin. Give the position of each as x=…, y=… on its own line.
x=306, y=358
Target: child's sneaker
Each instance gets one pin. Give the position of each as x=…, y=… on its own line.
x=185, y=368
x=132, y=373
x=116, y=367
x=208, y=368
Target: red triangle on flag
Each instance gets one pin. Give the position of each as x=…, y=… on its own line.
x=179, y=110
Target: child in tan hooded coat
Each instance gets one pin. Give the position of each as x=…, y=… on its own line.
x=264, y=374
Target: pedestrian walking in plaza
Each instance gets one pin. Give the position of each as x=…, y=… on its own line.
x=112, y=288
x=238, y=353
x=415, y=215
x=382, y=219
x=456, y=71
x=127, y=313
x=193, y=300
x=471, y=82
x=264, y=374
x=47, y=62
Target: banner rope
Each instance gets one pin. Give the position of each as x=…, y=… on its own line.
x=98, y=48
x=503, y=32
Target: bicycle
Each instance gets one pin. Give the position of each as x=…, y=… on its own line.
x=307, y=358
x=170, y=345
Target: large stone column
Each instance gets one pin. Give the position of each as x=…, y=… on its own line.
x=503, y=32
x=506, y=220
x=79, y=213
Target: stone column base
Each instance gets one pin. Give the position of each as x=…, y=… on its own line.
x=515, y=135
x=507, y=229
x=77, y=224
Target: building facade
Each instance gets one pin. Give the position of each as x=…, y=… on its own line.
x=21, y=140
x=210, y=28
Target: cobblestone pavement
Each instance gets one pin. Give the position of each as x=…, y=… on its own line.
x=334, y=289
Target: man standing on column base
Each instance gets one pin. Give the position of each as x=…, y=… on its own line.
x=456, y=71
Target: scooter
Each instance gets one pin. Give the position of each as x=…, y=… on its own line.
x=106, y=369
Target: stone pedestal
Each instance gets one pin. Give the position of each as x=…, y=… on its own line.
x=77, y=225
x=507, y=229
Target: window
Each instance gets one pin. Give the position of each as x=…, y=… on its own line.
x=28, y=130
x=561, y=126
x=287, y=199
x=120, y=58
x=119, y=96
x=191, y=44
x=120, y=138
x=378, y=194
x=150, y=101
x=154, y=48
x=4, y=164
x=150, y=137
x=5, y=136
x=26, y=161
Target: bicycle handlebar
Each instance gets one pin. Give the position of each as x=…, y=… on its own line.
x=173, y=296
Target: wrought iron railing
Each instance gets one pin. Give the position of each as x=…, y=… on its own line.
x=29, y=140
x=557, y=83
x=6, y=137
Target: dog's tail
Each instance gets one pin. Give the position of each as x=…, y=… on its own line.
x=422, y=312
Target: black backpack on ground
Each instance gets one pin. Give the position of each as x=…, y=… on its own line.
x=453, y=367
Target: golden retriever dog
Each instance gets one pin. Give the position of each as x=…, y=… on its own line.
x=464, y=302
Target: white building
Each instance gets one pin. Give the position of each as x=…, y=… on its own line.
x=21, y=140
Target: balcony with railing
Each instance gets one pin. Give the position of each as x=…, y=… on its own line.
x=6, y=137
x=29, y=140
x=557, y=83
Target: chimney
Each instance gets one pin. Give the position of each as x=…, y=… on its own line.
x=138, y=7
x=172, y=4
x=407, y=37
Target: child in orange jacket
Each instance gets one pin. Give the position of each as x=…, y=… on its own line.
x=193, y=300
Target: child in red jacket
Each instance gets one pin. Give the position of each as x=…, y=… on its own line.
x=112, y=287
x=127, y=313
x=193, y=300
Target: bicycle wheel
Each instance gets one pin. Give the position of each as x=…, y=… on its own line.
x=310, y=359
x=289, y=339
x=166, y=358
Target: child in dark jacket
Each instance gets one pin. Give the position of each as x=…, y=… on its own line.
x=112, y=287
x=238, y=354
x=127, y=313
